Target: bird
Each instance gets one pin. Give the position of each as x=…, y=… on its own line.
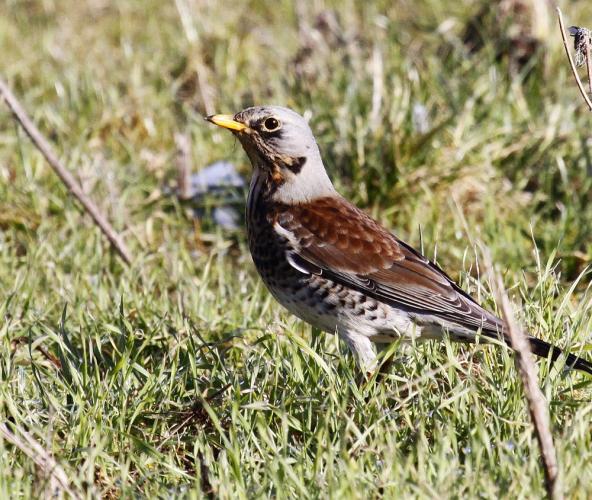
x=332, y=265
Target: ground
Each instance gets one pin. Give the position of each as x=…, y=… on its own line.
x=179, y=375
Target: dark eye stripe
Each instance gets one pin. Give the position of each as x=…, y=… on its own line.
x=297, y=164
x=276, y=134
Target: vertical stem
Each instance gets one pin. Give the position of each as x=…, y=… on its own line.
x=571, y=63
x=537, y=404
x=63, y=173
x=183, y=165
x=588, y=60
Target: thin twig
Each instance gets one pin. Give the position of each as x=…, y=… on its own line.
x=571, y=63
x=67, y=178
x=58, y=479
x=537, y=405
x=183, y=162
x=588, y=62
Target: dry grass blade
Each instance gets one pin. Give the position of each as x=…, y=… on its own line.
x=67, y=178
x=377, y=88
x=207, y=92
x=58, y=479
x=571, y=62
x=537, y=405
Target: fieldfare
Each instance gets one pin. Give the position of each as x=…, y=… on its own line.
x=335, y=267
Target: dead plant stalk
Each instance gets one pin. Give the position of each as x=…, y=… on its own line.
x=63, y=173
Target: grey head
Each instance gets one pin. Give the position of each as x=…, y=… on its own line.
x=282, y=147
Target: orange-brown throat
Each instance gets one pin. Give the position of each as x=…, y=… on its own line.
x=276, y=176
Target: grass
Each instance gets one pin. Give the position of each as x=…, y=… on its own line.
x=180, y=376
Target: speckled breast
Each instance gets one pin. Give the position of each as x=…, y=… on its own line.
x=311, y=298
x=318, y=301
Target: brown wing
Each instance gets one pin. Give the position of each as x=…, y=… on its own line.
x=337, y=240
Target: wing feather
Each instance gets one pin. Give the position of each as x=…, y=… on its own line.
x=337, y=240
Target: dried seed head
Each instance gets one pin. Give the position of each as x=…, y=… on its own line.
x=582, y=39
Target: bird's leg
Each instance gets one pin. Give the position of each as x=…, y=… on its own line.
x=373, y=368
x=387, y=358
x=363, y=350
x=390, y=353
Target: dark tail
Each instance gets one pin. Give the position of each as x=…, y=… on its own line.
x=544, y=350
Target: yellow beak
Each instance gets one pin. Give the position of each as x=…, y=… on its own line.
x=227, y=121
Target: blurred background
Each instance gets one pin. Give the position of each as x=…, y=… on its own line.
x=453, y=123
x=423, y=110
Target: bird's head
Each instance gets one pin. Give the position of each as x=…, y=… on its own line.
x=281, y=147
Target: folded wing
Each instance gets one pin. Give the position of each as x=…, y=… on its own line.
x=334, y=239
x=343, y=244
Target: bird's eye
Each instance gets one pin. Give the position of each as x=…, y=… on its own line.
x=271, y=124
